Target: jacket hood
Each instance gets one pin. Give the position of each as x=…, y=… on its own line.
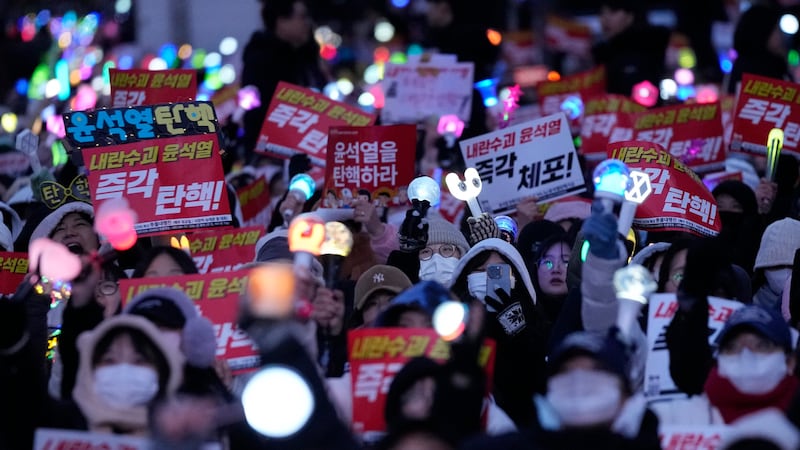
x=458, y=284
x=99, y=415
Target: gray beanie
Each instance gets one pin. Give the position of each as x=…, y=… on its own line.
x=441, y=231
x=778, y=244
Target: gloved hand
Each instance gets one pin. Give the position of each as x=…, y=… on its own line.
x=600, y=229
x=484, y=227
x=510, y=313
x=413, y=233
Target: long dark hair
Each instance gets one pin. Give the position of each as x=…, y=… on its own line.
x=143, y=345
x=180, y=257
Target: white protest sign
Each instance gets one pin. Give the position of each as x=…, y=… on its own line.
x=55, y=439
x=415, y=91
x=532, y=159
x=691, y=437
x=662, y=308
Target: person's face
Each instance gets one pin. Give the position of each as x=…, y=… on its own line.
x=296, y=28
x=417, y=401
x=614, y=21
x=676, y=272
x=446, y=250
x=751, y=341
x=726, y=203
x=122, y=351
x=414, y=319
x=775, y=42
x=108, y=296
x=494, y=258
x=375, y=305
x=77, y=233
x=163, y=266
x=552, y=270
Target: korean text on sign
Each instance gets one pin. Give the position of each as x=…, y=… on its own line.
x=372, y=159
x=116, y=126
x=764, y=104
x=172, y=184
x=533, y=159
x=583, y=85
x=216, y=296
x=223, y=250
x=13, y=267
x=136, y=87
x=298, y=119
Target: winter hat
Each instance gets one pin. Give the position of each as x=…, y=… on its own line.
x=764, y=321
x=11, y=220
x=571, y=209
x=605, y=348
x=275, y=246
x=172, y=308
x=778, y=244
x=441, y=231
x=51, y=221
x=99, y=415
x=650, y=251
x=424, y=296
x=767, y=425
x=740, y=192
x=533, y=235
x=379, y=278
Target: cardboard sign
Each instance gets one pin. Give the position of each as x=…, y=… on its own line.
x=764, y=104
x=378, y=160
x=658, y=384
x=417, y=90
x=226, y=101
x=216, y=296
x=54, y=439
x=568, y=36
x=136, y=87
x=690, y=133
x=298, y=120
x=224, y=250
x=14, y=163
x=173, y=184
x=727, y=104
x=13, y=267
x=537, y=158
x=584, y=85
x=679, y=200
x=713, y=179
x=377, y=354
x=691, y=437
x=255, y=202
x=117, y=126
x=600, y=115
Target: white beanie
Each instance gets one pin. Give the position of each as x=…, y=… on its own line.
x=778, y=244
x=441, y=231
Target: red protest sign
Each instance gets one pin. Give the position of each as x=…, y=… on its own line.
x=375, y=159
x=585, y=84
x=13, y=267
x=377, y=354
x=298, y=120
x=224, y=250
x=255, y=202
x=764, y=104
x=713, y=179
x=692, y=437
x=601, y=115
x=216, y=296
x=679, y=201
x=60, y=439
x=690, y=133
x=136, y=87
x=727, y=104
x=568, y=36
x=173, y=184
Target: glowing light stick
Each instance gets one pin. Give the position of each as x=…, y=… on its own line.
x=449, y=320
x=277, y=402
x=633, y=285
x=181, y=243
x=306, y=234
x=645, y=94
x=466, y=190
x=337, y=245
x=270, y=288
x=424, y=189
x=611, y=178
x=507, y=225
x=115, y=221
x=774, y=147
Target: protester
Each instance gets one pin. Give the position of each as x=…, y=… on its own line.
x=374, y=292
x=164, y=261
x=774, y=261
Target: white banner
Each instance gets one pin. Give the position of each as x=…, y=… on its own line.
x=532, y=159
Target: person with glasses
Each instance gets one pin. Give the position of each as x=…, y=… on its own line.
x=446, y=245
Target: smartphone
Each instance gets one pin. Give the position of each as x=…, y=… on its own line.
x=498, y=276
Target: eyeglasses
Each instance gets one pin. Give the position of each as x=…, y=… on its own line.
x=549, y=264
x=446, y=250
x=677, y=277
x=107, y=287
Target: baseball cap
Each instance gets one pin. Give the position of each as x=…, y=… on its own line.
x=761, y=320
x=380, y=278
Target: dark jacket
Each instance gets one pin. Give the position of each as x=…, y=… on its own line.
x=635, y=55
x=750, y=42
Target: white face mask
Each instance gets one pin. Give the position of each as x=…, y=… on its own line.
x=125, y=385
x=438, y=268
x=776, y=278
x=585, y=397
x=476, y=283
x=753, y=373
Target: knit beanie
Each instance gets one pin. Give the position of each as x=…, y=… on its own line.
x=778, y=244
x=441, y=231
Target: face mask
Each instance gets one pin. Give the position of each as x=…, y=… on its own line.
x=438, y=268
x=125, y=385
x=584, y=398
x=776, y=278
x=476, y=283
x=753, y=373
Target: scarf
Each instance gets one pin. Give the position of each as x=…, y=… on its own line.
x=733, y=404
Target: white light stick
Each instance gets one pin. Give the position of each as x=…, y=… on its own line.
x=466, y=190
x=633, y=285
